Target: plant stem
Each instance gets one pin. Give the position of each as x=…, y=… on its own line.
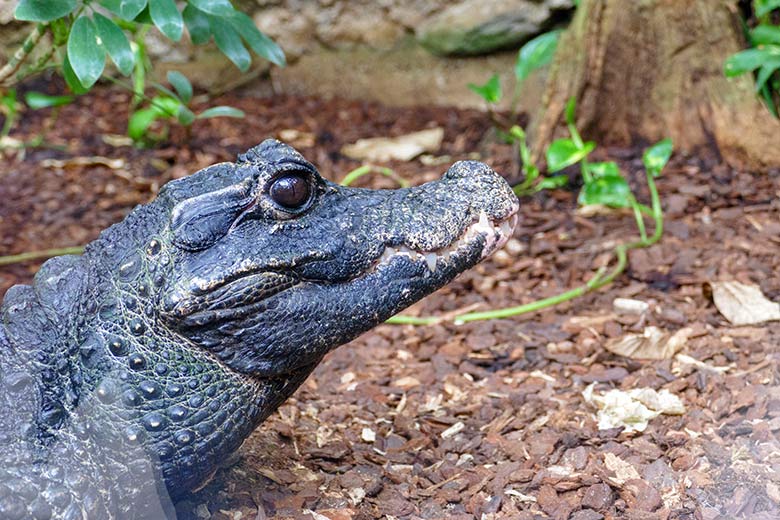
x=36, y=255
x=640, y=223
x=533, y=306
x=369, y=168
x=598, y=281
x=401, y=319
x=22, y=52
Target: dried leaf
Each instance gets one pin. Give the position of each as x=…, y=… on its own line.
x=743, y=304
x=653, y=343
x=688, y=360
x=368, y=435
x=407, y=382
x=453, y=430
x=402, y=148
x=632, y=409
x=629, y=306
x=623, y=470
x=114, y=164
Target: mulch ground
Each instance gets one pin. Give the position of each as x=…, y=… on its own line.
x=485, y=420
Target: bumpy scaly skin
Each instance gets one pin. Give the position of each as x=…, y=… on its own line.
x=129, y=373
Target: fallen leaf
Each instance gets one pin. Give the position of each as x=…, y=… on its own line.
x=743, y=304
x=368, y=435
x=623, y=470
x=629, y=306
x=402, y=148
x=453, y=430
x=297, y=138
x=407, y=382
x=773, y=492
x=577, y=324
x=114, y=164
x=653, y=343
x=688, y=360
x=632, y=409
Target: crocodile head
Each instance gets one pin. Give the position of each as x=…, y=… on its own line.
x=151, y=357
x=273, y=266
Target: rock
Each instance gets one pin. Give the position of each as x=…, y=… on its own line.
x=480, y=26
x=291, y=30
x=598, y=497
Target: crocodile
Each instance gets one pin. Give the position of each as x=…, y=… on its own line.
x=130, y=372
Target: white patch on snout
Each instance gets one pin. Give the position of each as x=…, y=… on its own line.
x=496, y=235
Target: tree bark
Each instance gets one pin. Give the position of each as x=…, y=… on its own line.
x=642, y=70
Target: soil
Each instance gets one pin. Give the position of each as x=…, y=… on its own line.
x=484, y=420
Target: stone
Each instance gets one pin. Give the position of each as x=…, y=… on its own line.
x=480, y=26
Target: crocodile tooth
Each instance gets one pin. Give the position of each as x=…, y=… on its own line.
x=506, y=228
x=430, y=259
x=387, y=254
x=484, y=222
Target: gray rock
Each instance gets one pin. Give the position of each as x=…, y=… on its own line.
x=481, y=26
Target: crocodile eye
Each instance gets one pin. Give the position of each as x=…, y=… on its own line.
x=291, y=191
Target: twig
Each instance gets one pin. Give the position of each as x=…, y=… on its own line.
x=22, y=52
x=37, y=255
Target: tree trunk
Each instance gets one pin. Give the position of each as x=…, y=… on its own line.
x=642, y=70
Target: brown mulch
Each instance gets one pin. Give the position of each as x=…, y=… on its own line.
x=485, y=420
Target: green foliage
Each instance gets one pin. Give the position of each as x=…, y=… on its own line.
x=87, y=55
x=43, y=10
x=90, y=36
x=172, y=107
x=565, y=152
x=764, y=7
x=763, y=58
x=656, y=157
x=535, y=54
x=38, y=100
x=490, y=91
x=607, y=187
x=86, y=37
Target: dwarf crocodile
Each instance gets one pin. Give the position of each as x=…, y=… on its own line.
x=127, y=374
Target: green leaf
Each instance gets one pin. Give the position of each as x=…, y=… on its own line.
x=71, y=79
x=36, y=100
x=229, y=42
x=490, y=91
x=140, y=121
x=610, y=191
x=221, y=111
x=166, y=106
x=144, y=17
x=257, y=41
x=181, y=84
x=185, y=116
x=564, y=152
x=571, y=108
x=763, y=7
x=86, y=55
x=215, y=7
x=750, y=59
x=656, y=157
x=115, y=42
x=43, y=10
x=765, y=34
x=197, y=24
x=765, y=72
x=551, y=183
x=536, y=53
x=604, y=169
x=125, y=9
x=167, y=18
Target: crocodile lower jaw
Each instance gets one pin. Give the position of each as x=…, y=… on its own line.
x=496, y=233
